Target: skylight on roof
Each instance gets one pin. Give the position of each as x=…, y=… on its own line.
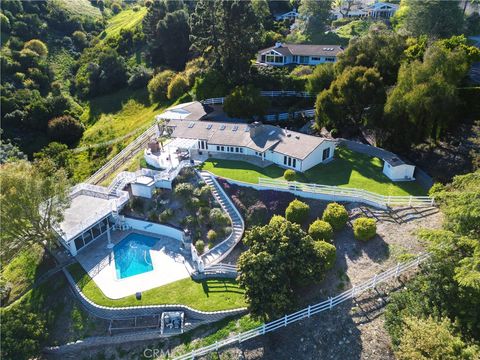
x=209, y=126
x=271, y=133
x=191, y=124
x=222, y=127
x=235, y=128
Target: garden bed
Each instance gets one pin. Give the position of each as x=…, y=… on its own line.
x=190, y=206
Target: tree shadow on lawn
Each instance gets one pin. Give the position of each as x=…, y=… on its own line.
x=220, y=286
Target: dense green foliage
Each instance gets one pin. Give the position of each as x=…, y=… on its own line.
x=321, y=230
x=245, y=102
x=314, y=16
x=297, y=211
x=23, y=333
x=336, y=215
x=448, y=287
x=281, y=256
x=320, y=79
x=364, y=228
x=65, y=129
x=158, y=85
x=177, y=87
x=33, y=198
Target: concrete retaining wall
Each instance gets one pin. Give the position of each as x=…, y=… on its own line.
x=155, y=228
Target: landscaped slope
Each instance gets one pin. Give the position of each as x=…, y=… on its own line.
x=206, y=295
x=126, y=19
x=348, y=169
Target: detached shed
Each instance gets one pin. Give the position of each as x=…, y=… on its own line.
x=398, y=170
x=143, y=187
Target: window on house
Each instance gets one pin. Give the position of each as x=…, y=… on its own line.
x=330, y=59
x=78, y=243
x=295, y=58
x=241, y=150
x=237, y=150
x=218, y=148
x=316, y=58
x=294, y=163
x=303, y=59
x=223, y=148
x=284, y=160
x=263, y=58
x=289, y=161
x=326, y=154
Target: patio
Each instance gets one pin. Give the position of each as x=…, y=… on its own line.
x=166, y=255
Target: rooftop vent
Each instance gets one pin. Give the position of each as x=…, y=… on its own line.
x=222, y=127
x=278, y=44
x=191, y=124
x=247, y=129
x=297, y=137
x=209, y=126
x=235, y=128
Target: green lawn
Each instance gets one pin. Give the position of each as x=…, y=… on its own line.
x=207, y=295
x=348, y=169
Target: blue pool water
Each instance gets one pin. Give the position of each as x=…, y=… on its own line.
x=132, y=255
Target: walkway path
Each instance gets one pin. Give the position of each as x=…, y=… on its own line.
x=220, y=251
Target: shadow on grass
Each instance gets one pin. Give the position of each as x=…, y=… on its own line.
x=220, y=286
x=113, y=103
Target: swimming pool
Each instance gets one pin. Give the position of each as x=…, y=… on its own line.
x=132, y=255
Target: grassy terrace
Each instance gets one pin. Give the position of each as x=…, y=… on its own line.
x=348, y=169
x=207, y=295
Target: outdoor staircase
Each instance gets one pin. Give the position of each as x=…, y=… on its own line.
x=220, y=251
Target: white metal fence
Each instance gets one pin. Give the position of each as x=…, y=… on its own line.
x=309, y=113
x=265, y=93
x=347, y=193
x=309, y=311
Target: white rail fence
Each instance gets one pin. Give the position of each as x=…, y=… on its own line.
x=347, y=194
x=130, y=150
x=309, y=311
x=308, y=113
x=265, y=93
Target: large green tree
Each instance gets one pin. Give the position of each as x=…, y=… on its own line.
x=281, y=256
x=226, y=34
x=314, y=17
x=33, y=198
x=380, y=48
x=423, y=103
x=167, y=33
x=355, y=98
x=435, y=18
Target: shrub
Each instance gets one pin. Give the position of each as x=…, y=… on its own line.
x=157, y=86
x=65, y=129
x=200, y=246
x=218, y=217
x=139, y=77
x=289, y=175
x=212, y=235
x=364, y=228
x=336, y=215
x=212, y=84
x=327, y=252
x=184, y=190
x=177, y=87
x=116, y=8
x=37, y=46
x=297, y=211
x=321, y=230
x=80, y=40
x=245, y=102
x=165, y=215
x=302, y=71
x=257, y=213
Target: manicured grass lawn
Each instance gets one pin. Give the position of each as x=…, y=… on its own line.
x=348, y=169
x=207, y=295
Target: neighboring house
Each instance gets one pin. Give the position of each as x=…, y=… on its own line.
x=377, y=10
x=286, y=54
x=267, y=143
x=397, y=170
x=291, y=15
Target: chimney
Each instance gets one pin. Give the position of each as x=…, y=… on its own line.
x=278, y=44
x=255, y=129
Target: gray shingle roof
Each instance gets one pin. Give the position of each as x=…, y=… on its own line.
x=256, y=137
x=306, y=50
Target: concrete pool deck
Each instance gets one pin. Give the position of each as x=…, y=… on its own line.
x=99, y=262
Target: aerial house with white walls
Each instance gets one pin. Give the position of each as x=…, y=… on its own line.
x=266, y=143
x=298, y=54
